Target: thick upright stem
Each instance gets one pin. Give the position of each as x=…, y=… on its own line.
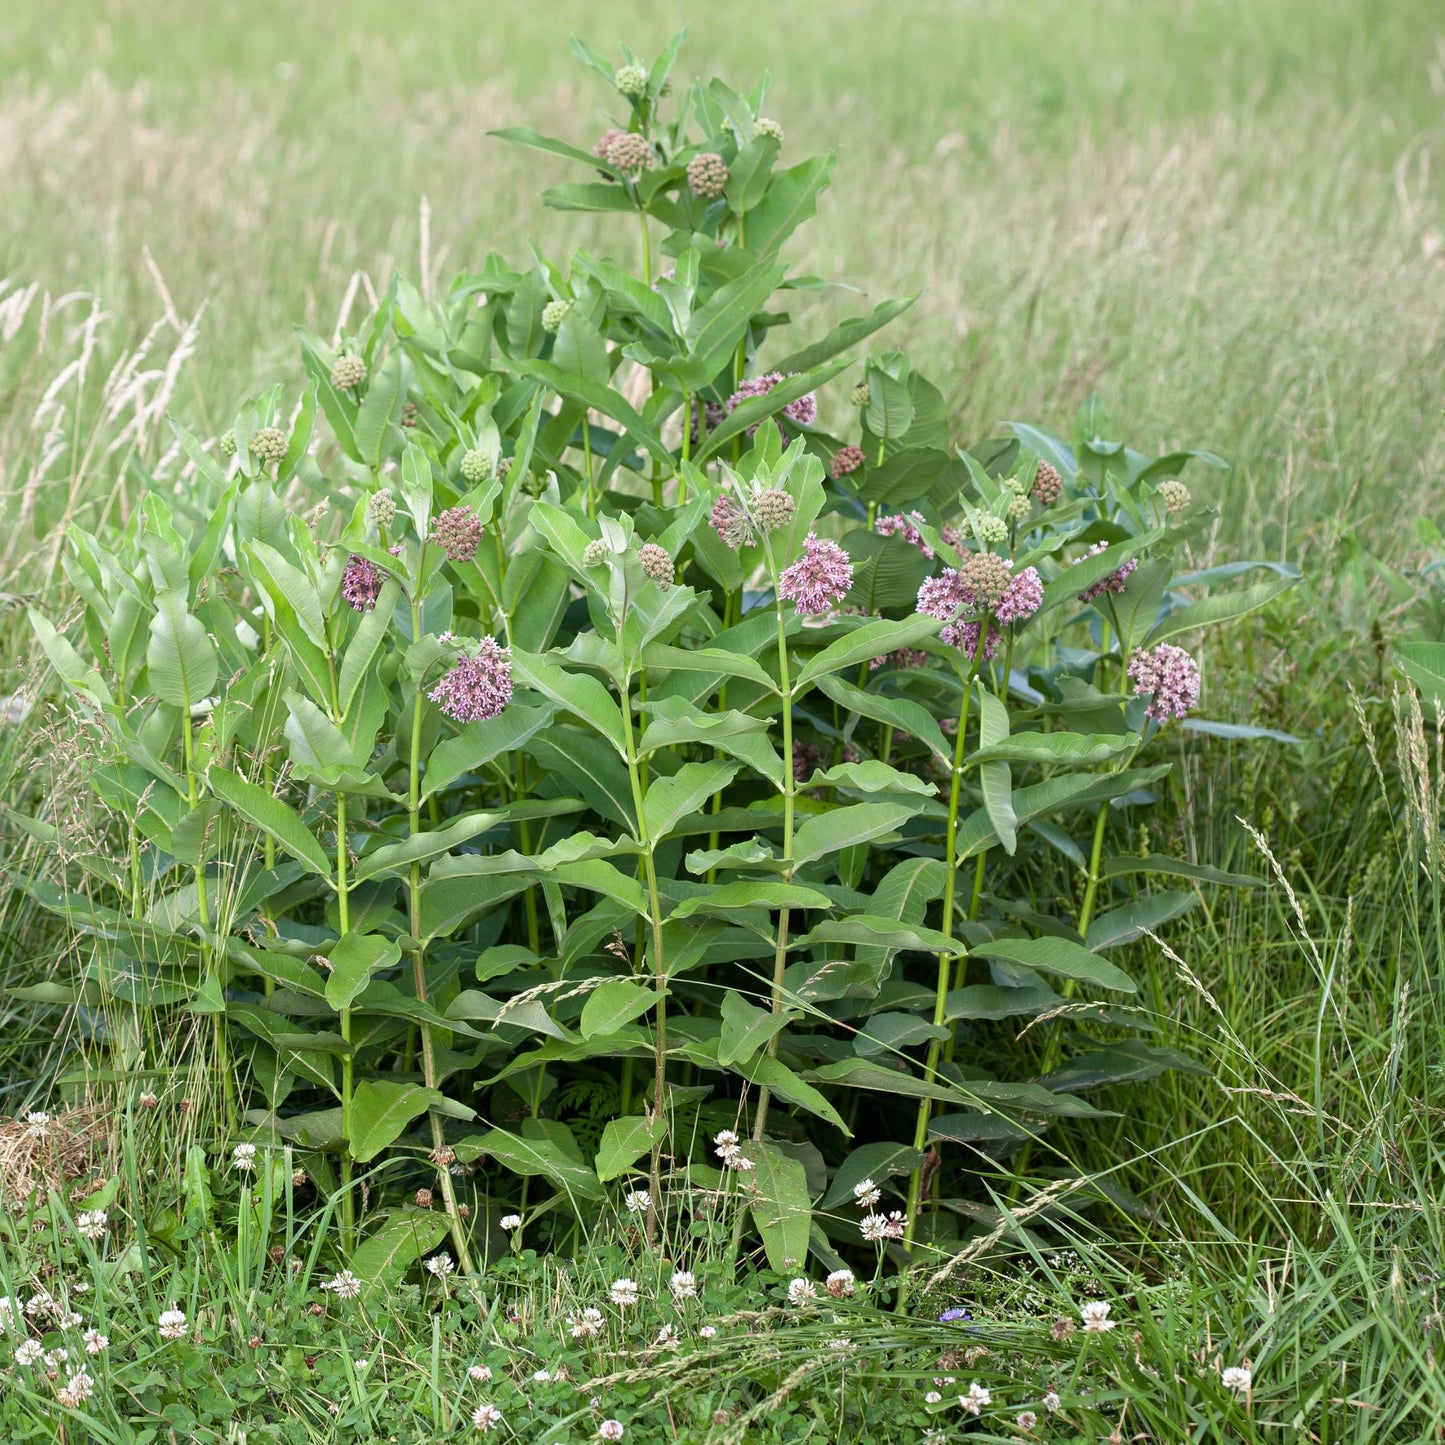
x=343, y=908
x=659, y=964
x=418, y=971
x=790, y=792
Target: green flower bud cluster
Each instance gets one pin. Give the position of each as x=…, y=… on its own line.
x=594, y=554
x=631, y=81
x=763, y=126
x=228, y=443
x=1175, y=496
x=348, y=373
x=269, y=444
x=860, y=394
x=476, y=466
x=381, y=509
x=1019, y=508
x=553, y=314
x=772, y=508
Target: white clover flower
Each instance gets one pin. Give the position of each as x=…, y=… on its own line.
x=95, y=1342
x=243, y=1157
x=873, y=1228
x=39, y=1303
x=508, y=1222
x=707, y=1331
x=440, y=1265
x=667, y=1336
x=57, y=1357
x=69, y=1320
x=637, y=1201
x=841, y=1283
x=932, y=1398
x=344, y=1285
x=866, y=1194
x=585, y=1325
x=28, y=1352
x=623, y=1292
x=541, y=1377
x=1239, y=1378
x=934, y=1437
x=91, y=1223
x=148, y=1100
x=80, y=1386
x=841, y=1343
x=1052, y=1401
x=976, y=1398
x=610, y=1430
x=37, y=1123
x=684, y=1285
x=1027, y=1420
x=725, y=1139
x=486, y=1417
x=172, y=1325
x=897, y=1224
x=480, y=1373
x=1095, y=1315
x=802, y=1292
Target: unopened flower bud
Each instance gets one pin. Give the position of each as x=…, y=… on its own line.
x=1048, y=484
x=990, y=530
x=763, y=126
x=860, y=394
x=594, y=554
x=1175, y=496
x=707, y=174
x=631, y=81
x=657, y=564
x=228, y=443
x=553, y=314
x=349, y=372
x=773, y=508
x=381, y=509
x=631, y=154
x=269, y=444
x=846, y=460
x=458, y=531
x=1019, y=508
x=476, y=466
x=423, y=1199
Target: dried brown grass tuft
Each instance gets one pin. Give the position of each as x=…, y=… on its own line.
x=54, y=1156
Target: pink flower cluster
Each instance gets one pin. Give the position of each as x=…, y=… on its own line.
x=361, y=583
x=903, y=524
x=730, y=522
x=1169, y=677
x=1113, y=583
x=819, y=579
x=478, y=687
x=803, y=410
x=974, y=588
x=1021, y=598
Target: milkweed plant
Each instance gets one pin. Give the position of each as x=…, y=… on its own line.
x=591, y=743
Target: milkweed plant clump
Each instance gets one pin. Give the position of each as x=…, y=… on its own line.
x=596, y=753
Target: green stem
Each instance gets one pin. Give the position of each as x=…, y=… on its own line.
x=659, y=964
x=790, y=789
x=646, y=248
x=945, y=961
x=418, y=965
x=587, y=462
x=343, y=906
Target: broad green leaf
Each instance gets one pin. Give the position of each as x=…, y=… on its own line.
x=992, y=1001
x=902, y=714
x=614, y=1003
x=625, y=1141
x=877, y=1162
x=889, y=933
x=283, y=582
x=397, y=858
x=579, y=348
x=995, y=779
x=478, y=743
x=535, y=1156
x=365, y=643
x=791, y=199
x=380, y=1112
x=1150, y=913
x=888, y=1033
x=1059, y=956
x=1176, y=868
x=260, y=807
x=1078, y=576
x=599, y=397
x=669, y=799
x=781, y=1208
x=730, y=897
x=872, y=776
x=382, y=1259
x=845, y=827
x=846, y=335
x=67, y=662
x=1224, y=608
x=579, y=694
x=746, y=1029
x=180, y=658
x=354, y=959
x=863, y=644
x=373, y=426
x=1075, y=749
x=706, y=659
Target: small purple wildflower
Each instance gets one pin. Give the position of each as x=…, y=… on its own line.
x=1169, y=676
x=1021, y=598
x=1113, y=583
x=361, y=583
x=803, y=410
x=819, y=579
x=478, y=687
x=949, y=1316
x=902, y=524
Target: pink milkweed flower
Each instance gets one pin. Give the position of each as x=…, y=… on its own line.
x=803, y=410
x=1021, y=598
x=1113, y=583
x=1169, y=677
x=361, y=583
x=902, y=524
x=478, y=687
x=819, y=579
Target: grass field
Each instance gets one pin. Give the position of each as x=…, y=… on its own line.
x=1224, y=215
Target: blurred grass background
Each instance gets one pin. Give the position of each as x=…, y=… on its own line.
x=1221, y=213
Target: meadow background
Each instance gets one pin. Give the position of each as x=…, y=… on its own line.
x=1226, y=217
